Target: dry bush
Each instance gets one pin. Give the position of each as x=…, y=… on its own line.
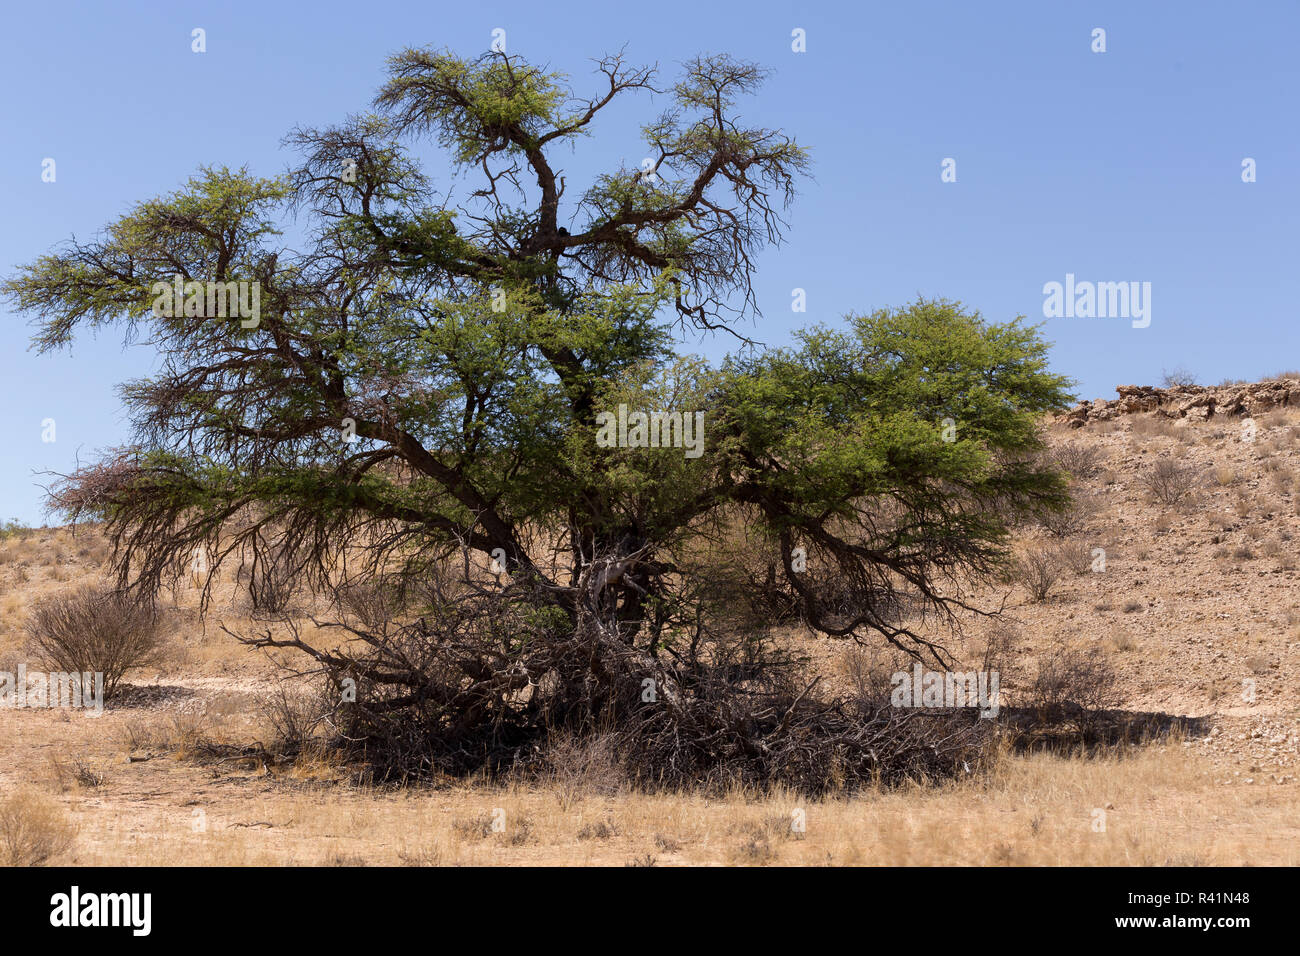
x=1073, y=519
x=1170, y=482
x=755, y=849
x=515, y=830
x=421, y=856
x=1075, y=684
x=1225, y=475
x=296, y=719
x=33, y=829
x=1079, y=460
x=1076, y=555
x=1123, y=642
x=1037, y=568
x=869, y=670
x=371, y=603
x=667, y=844
x=96, y=631
x=477, y=827
x=1177, y=376
x=600, y=830
x=78, y=771
x=472, y=680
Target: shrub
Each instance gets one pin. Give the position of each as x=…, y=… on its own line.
x=33, y=830
x=295, y=719
x=94, y=630
x=1170, y=482
x=1037, y=569
x=1076, y=684
x=1081, y=461
x=1072, y=519
x=1177, y=376
x=1076, y=555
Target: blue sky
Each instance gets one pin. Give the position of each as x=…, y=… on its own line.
x=1117, y=166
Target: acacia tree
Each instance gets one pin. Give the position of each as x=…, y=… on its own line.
x=418, y=403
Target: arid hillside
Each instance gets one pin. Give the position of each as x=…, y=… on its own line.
x=1179, y=563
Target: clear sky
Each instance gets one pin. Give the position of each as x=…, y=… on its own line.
x=1115, y=166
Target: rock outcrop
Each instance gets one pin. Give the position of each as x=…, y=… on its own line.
x=1191, y=402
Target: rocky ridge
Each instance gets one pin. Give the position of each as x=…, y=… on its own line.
x=1193, y=403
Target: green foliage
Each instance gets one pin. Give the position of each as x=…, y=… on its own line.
x=13, y=528
x=472, y=348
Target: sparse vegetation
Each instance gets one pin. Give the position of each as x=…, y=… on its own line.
x=495, y=627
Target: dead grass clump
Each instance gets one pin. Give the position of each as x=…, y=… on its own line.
x=755, y=849
x=516, y=832
x=478, y=827
x=1150, y=426
x=600, y=830
x=296, y=720
x=667, y=844
x=580, y=767
x=33, y=829
x=79, y=772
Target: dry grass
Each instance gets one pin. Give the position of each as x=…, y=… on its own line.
x=1161, y=806
x=33, y=829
